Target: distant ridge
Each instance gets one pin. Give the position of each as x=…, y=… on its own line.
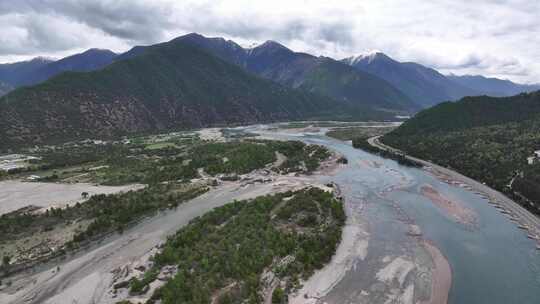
x=493, y=86
x=17, y=74
x=89, y=60
x=423, y=85
x=40, y=69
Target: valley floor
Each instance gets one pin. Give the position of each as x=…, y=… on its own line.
x=90, y=274
x=390, y=252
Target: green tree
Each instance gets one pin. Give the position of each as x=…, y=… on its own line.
x=278, y=296
x=6, y=260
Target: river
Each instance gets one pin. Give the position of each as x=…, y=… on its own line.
x=491, y=259
x=399, y=218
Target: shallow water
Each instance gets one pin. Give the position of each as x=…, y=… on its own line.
x=491, y=262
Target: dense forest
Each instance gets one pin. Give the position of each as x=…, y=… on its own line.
x=174, y=160
x=223, y=253
x=484, y=138
x=472, y=112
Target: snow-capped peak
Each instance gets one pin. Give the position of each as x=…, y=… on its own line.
x=42, y=59
x=367, y=57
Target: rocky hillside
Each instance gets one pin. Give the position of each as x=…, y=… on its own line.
x=171, y=86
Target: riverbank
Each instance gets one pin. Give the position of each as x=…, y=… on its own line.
x=441, y=276
x=353, y=247
x=523, y=218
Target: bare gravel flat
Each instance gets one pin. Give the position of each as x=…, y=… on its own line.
x=16, y=194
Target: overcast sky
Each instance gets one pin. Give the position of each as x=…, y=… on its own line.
x=491, y=37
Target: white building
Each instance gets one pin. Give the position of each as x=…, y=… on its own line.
x=530, y=160
x=14, y=161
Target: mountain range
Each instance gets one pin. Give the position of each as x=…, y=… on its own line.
x=427, y=87
x=380, y=81
x=195, y=81
x=170, y=86
x=320, y=75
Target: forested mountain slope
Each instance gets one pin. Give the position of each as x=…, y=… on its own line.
x=486, y=138
x=172, y=85
x=323, y=76
x=473, y=112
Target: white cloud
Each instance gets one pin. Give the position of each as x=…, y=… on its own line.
x=492, y=37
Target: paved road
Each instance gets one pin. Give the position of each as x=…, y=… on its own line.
x=524, y=217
